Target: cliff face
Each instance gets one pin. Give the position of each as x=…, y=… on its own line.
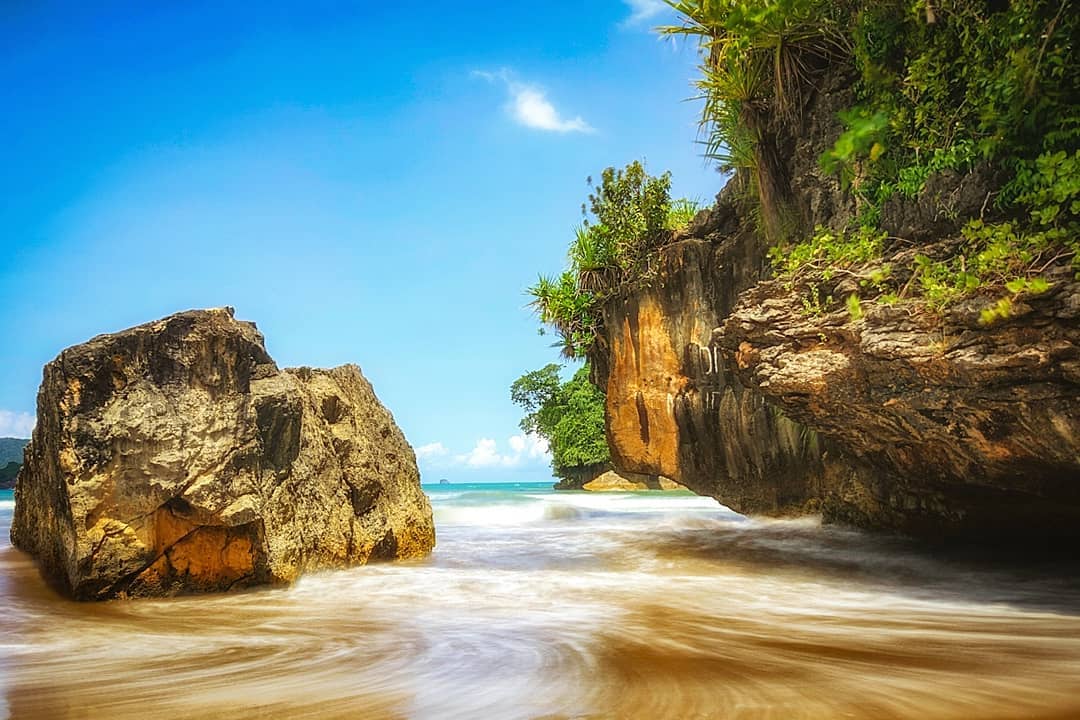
x=719, y=378
x=676, y=407
x=175, y=457
x=954, y=427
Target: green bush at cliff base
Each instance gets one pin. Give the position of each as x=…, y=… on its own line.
x=942, y=85
x=632, y=214
x=569, y=415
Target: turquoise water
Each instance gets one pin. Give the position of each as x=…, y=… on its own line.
x=550, y=605
x=511, y=504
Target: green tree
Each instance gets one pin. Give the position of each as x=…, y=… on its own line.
x=569, y=415
x=536, y=393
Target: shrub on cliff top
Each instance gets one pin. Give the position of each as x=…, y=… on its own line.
x=628, y=215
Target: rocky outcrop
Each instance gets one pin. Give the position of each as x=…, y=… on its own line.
x=675, y=406
x=575, y=478
x=720, y=378
x=951, y=427
x=612, y=481
x=175, y=457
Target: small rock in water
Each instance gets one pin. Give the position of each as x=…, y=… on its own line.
x=612, y=481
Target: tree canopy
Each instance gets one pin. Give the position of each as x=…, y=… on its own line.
x=569, y=415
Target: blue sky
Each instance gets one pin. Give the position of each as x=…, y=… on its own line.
x=370, y=183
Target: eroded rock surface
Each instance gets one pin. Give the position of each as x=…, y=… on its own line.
x=953, y=427
x=175, y=457
x=741, y=388
x=675, y=406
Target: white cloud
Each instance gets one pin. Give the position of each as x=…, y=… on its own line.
x=16, y=424
x=642, y=10
x=485, y=454
x=522, y=450
x=529, y=105
x=431, y=450
x=530, y=446
x=532, y=109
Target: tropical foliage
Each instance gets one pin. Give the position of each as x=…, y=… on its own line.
x=569, y=415
x=628, y=214
x=939, y=85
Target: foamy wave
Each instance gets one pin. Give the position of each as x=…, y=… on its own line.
x=639, y=502
x=7, y=504
x=504, y=514
x=530, y=508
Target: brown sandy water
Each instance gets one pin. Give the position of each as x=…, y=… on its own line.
x=537, y=605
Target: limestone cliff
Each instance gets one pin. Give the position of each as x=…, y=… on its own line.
x=718, y=377
x=952, y=427
x=676, y=407
x=175, y=457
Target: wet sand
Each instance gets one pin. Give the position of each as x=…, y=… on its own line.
x=537, y=605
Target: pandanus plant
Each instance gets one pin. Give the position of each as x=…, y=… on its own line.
x=572, y=312
x=592, y=254
x=761, y=58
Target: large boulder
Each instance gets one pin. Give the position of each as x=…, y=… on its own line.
x=175, y=457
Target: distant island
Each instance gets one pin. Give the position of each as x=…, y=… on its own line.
x=11, y=450
x=11, y=454
x=444, y=481
x=8, y=473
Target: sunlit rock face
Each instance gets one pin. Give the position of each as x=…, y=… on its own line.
x=676, y=408
x=720, y=380
x=175, y=457
x=612, y=481
x=967, y=429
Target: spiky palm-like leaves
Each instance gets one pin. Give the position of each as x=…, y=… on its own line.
x=681, y=212
x=760, y=59
x=594, y=257
x=734, y=111
x=763, y=50
x=572, y=312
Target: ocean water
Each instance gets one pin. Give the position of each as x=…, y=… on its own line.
x=538, y=604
